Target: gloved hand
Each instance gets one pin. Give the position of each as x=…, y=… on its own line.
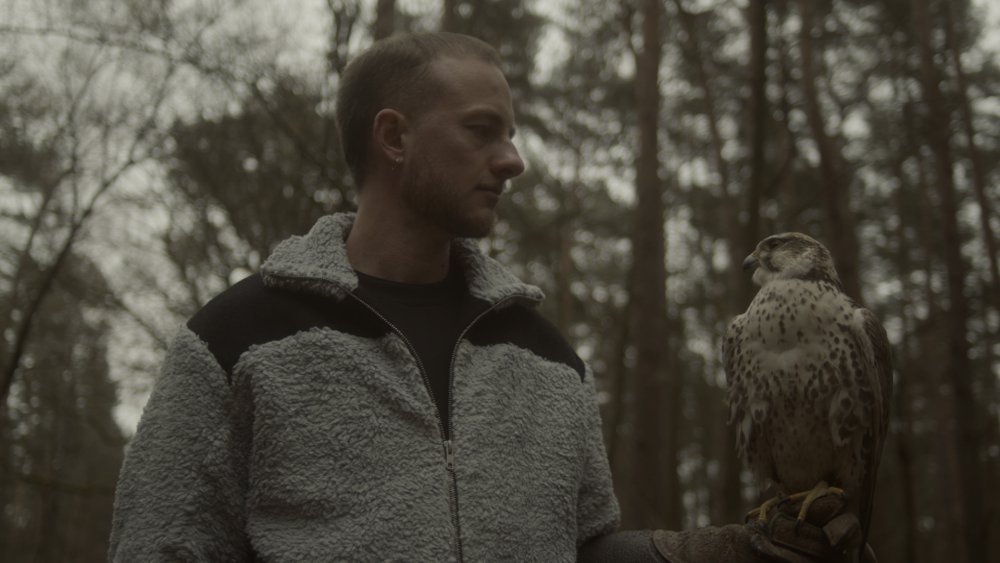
x=829, y=535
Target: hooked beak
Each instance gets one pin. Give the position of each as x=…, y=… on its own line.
x=751, y=262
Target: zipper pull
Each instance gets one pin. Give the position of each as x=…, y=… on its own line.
x=449, y=455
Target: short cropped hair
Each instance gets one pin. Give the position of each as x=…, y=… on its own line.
x=392, y=74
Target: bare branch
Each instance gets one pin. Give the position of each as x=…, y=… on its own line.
x=23, y=331
x=162, y=341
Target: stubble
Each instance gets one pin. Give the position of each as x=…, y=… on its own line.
x=430, y=196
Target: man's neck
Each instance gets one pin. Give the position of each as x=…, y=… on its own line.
x=392, y=246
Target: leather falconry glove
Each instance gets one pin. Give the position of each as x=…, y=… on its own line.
x=827, y=535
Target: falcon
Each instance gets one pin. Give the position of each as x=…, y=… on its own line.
x=810, y=377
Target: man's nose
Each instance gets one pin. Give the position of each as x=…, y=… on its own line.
x=507, y=164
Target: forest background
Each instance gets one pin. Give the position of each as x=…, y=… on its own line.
x=152, y=152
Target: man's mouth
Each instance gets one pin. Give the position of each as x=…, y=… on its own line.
x=497, y=189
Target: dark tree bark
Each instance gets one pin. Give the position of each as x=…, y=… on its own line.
x=906, y=357
x=565, y=269
x=385, y=19
x=838, y=225
x=343, y=17
x=728, y=506
x=758, y=123
x=743, y=233
x=449, y=15
x=979, y=182
x=959, y=368
x=655, y=462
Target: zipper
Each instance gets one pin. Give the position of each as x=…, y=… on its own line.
x=447, y=444
x=454, y=355
x=449, y=449
x=446, y=441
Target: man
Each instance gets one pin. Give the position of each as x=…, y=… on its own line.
x=381, y=390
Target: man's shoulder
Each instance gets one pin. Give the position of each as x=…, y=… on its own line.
x=525, y=327
x=251, y=313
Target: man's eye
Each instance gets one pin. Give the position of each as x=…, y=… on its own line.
x=480, y=129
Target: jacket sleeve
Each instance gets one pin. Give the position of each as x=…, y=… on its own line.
x=181, y=488
x=597, y=507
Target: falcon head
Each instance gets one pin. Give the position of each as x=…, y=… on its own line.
x=790, y=256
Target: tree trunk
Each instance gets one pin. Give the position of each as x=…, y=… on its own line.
x=975, y=160
x=727, y=500
x=787, y=188
x=450, y=17
x=565, y=269
x=904, y=358
x=743, y=234
x=385, y=19
x=992, y=283
x=758, y=124
x=618, y=440
x=959, y=369
x=565, y=272
x=653, y=467
x=834, y=181
x=905, y=458
x=616, y=409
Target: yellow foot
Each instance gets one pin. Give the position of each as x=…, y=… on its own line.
x=760, y=513
x=821, y=489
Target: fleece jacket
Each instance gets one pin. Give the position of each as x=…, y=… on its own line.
x=291, y=422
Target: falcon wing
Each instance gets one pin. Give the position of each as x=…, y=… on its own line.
x=874, y=340
x=736, y=382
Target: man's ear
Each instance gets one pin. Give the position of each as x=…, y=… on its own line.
x=388, y=130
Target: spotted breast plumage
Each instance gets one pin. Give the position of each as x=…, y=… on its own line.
x=810, y=378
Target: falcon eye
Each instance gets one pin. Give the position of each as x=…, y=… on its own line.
x=774, y=243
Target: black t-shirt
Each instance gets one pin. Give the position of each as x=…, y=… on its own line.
x=431, y=317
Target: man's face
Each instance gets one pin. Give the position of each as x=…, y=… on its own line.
x=459, y=150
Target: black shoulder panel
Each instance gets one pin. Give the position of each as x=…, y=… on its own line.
x=525, y=327
x=250, y=313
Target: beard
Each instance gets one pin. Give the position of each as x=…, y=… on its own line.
x=429, y=195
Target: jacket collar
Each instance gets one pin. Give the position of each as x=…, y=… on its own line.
x=317, y=263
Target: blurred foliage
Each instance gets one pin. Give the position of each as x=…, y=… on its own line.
x=152, y=154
